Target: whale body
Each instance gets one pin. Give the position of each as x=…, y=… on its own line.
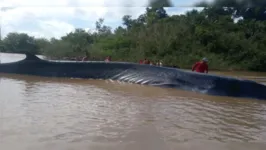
x=139, y=74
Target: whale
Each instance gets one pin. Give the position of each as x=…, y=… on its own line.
x=165, y=77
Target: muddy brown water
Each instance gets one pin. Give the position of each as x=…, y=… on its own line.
x=75, y=114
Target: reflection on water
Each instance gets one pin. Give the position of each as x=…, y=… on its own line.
x=60, y=114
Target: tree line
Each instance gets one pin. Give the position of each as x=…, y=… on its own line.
x=232, y=37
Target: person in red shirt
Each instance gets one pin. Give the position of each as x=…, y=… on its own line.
x=141, y=62
x=201, y=66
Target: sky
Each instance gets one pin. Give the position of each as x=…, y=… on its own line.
x=55, y=18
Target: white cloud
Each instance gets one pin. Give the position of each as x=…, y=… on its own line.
x=54, y=18
x=55, y=28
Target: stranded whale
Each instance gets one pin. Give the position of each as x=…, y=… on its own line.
x=139, y=74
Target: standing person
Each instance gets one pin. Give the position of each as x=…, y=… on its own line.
x=201, y=66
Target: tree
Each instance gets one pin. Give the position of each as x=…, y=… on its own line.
x=41, y=44
x=248, y=9
x=102, y=29
x=59, y=49
x=177, y=40
x=20, y=43
x=127, y=21
x=160, y=3
x=80, y=40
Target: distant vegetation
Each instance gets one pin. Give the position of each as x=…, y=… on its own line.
x=177, y=40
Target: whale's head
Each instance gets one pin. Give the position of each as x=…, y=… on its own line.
x=238, y=88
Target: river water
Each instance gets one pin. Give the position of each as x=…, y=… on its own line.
x=75, y=114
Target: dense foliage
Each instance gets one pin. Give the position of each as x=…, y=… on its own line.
x=177, y=40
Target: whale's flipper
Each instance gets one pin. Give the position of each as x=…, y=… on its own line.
x=30, y=56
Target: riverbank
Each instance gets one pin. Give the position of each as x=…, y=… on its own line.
x=174, y=39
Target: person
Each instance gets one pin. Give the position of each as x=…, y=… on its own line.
x=86, y=58
x=146, y=61
x=108, y=58
x=141, y=61
x=201, y=66
x=159, y=63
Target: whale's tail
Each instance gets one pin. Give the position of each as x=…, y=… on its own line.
x=31, y=57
